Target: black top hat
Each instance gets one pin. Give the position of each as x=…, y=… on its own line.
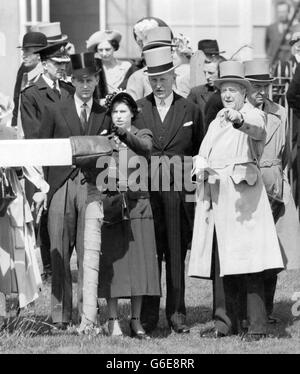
x=209, y=46
x=55, y=52
x=34, y=39
x=84, y=64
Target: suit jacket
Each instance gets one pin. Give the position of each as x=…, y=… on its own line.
x=61, y=121
x=272, y=41
x=34, y=98
x=183, y=137
x=200, y=95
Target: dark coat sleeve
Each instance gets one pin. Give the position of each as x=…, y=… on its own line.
x=198, y=129
x=31, y=112
x=140, y=143
x=212, y=108
x=192, y=96
x=293, y=92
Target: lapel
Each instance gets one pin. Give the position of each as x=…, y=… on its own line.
x=96, y=119
x=147, y=110
x=273, y=119
x=178, y=115
x=69, y=112
x=43, y=86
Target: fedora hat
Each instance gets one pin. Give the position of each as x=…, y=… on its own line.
x=158, y=37
x=101, y=36
x=83, y=64
x=33, y=39
x=258, y=71
x=232, y=71
x=52, y=30
x=56, y=52
x=158, y=61
x=209, y=46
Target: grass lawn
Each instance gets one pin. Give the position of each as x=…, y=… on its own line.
x=33, y=337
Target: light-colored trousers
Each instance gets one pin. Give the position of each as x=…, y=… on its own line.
x=91, y=259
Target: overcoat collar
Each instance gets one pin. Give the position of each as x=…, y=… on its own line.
x=272, y=110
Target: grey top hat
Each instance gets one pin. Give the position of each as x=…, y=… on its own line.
x=232, y=71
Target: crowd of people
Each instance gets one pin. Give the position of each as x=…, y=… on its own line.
x=204, y=171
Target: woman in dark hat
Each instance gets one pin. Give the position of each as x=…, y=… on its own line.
x=128, y=263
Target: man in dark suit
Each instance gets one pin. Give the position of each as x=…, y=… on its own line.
x=177, y=129
x=201, y=94
x=49, y=88
x=76, y=115
x=275, y=33
x=30, y=69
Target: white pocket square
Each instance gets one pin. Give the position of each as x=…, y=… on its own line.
x=188, y=124
x=104, y=132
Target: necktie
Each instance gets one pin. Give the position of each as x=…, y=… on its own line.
x=83, y=116
x=162, y=111
x=55, y=90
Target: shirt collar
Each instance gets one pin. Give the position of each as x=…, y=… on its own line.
x=168, y=100
x=50, y=82
x=79, y=102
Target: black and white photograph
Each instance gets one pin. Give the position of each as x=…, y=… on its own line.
x=149, y=180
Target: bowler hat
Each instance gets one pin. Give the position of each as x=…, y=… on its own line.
x=55, y=52
x=34, y=39
x=101, y=36
x=157, y=37
x=83, y=64
x=158, y=61
x=232, y=71
x=52, y=30
x=209, y=46
x=258, y=70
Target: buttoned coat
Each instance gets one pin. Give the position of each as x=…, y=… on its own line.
x=233, y=200
x=33, y=101
x=272, y=165
x=61, y=121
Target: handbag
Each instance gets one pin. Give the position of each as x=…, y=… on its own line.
x=6, y=192
x=87, y=149
x=115, y=207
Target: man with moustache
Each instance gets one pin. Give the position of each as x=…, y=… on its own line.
x=177, y=129
x=48, y=88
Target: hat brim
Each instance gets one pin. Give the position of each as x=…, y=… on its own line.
x=85, y=71
x=64, y=59
x=261, y=80
x=241, y=81
x=157, y=45
x=63, y=38
x=159, y=72
x=51, y=45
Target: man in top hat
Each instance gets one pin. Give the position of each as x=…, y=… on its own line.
x=200, y=95
x=78, y=114
x=210, y=48
x=234, y=229
x=177, y=129
x=31, y=67
x=48, y=88
x=149, y=32
x=272, y=165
